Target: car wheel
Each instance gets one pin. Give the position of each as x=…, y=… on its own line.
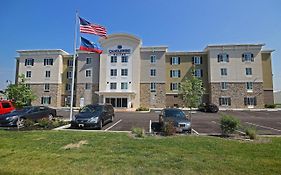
x=20, y=123
x=100, y=124
x=111, y=118
x=51, y=117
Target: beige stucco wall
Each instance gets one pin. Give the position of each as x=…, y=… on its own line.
x=235, y=66
x=38, y=70
x=146, y=66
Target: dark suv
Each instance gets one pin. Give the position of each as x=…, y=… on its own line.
x=93, y=116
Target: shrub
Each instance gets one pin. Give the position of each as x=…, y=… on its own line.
x=138, y=132
x=45, y=123
x=228, y=124
x=29, y=123
x=251, y=132
x=142, y=109
x=270, y=106
x=169, y=128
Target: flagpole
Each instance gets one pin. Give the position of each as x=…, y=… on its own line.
x=73, y=68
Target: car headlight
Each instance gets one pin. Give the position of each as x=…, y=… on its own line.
x=12, y=117
x=93, y=120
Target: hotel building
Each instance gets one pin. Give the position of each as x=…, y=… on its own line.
x=129, y=75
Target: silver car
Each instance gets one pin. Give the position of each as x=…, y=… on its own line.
x=177, y=117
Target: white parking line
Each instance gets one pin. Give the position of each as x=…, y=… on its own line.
x=266, y=127
x=113, y=125
x=195, y=131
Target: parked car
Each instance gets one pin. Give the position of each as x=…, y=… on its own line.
x=208, y=107
x=6, y=107
x=18, y=117
x=93, y=116
x=177, y=117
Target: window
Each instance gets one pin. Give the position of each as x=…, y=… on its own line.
x=196, y=60
x=224, y=85
x=198, y=73
x=88, y=86
x=48, y=61
x=47, y=87
x=69, y=74
x=88, y=60
x=6, y=105
x=223, y=71
x=113, y=72
x=124, y=85
x=113, y=59
x=68, y=87
x=225, y=101
x=45, y=100
x=48, y=74
x=247, y=57
x=223, y=57
x=29, y=62
x=69, y=63
x=175, y=73
x=153, y=72
x=174, y=86
x=249, y=86
x=250, y=101
x=175, y=60
x=153, y=87
x=113, y=85
x=152, y=59
x=124, y=59
x=28, y=74
x=124, y=72
x=248, y=71
x=88, y=73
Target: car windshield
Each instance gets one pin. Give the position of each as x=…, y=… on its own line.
x=174, y=113
x=91, y=108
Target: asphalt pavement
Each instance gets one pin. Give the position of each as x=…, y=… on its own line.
x=266, y=122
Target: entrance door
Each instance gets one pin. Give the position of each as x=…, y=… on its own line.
x=117, y=102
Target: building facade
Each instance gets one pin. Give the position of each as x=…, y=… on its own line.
x=129, y=75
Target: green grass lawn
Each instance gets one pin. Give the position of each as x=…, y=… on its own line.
x=42, y=152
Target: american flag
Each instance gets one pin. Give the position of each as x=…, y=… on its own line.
x=87, y=27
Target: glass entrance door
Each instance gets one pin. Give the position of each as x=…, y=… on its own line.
x=117, y=102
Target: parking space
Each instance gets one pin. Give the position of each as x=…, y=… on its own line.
x=266, y=122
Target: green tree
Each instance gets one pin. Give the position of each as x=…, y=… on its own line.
x=20, y=93
x=191, y=91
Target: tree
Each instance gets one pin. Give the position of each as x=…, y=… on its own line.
x=20, y=93
x=191, y=91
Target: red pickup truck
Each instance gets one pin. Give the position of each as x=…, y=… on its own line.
x=6, y=107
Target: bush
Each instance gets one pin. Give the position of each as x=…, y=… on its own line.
x=142, y=109
x=228, y=124
x=29, y=123
x=45, y=123
x=138, y=132
x=169, y=129
x=270, y=106
x=251, y=132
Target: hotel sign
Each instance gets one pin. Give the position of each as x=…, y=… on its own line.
x=119, y=50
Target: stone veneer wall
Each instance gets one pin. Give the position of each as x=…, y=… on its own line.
x=81, y=91
x=237, y=92
x=173, y=99
x=54, y=93
x=146, y=97
x=268, y=97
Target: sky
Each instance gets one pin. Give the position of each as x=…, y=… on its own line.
x=182, y=25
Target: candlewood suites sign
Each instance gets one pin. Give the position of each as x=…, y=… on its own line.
x=119, y=50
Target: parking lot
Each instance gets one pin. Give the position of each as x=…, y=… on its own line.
x=266, y=122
